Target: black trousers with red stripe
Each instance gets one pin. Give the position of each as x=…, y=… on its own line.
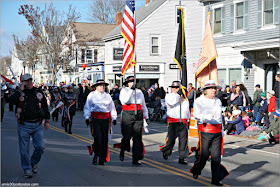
x=175, y=130
x=132, y=126
x=206, y=142
x=100, y=135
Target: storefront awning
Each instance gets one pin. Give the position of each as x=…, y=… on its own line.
x=90, y=65
x=246, y=63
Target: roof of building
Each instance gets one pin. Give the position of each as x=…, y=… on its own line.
x=141, y=14
x=90, y=32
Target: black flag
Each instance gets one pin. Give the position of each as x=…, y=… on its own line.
x=180, y=52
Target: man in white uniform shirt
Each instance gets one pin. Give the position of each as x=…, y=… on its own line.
x=131, y=124
x=177, y=125
x=208, y=112
x=101, y=109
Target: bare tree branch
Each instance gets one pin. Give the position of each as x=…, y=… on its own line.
x=104, y=11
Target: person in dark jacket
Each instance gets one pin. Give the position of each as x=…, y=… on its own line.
x=244, y=89
x=263, y=110
x=191, y=93
x=84, y=91
x=31, y=110
x=276, y=88
x=237, y=124
x=238, y=98
x=255, y=103
x=156, y=93
x=272, y=133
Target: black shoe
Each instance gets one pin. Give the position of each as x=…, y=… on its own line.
x=69, y=132
x=101, y=163
x=94, y=161
x=136, y=162
x=165, y=156
x=218, y=183
x=182, y=161
x=27, y=174
x=121, y=155
x=195, y=176
x=35, y=168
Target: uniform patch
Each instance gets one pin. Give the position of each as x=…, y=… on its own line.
x=39, y=96
x=21, y=98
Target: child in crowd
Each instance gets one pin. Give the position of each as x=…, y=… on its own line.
x=249, y=113
x=236, y=123
x=245, y=119
x=272, y=105
x=263, y=110
x=272, y=133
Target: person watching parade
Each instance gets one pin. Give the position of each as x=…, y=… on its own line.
x=31, y=110
x=99, y=110
x=208, y=113
x=131, y=123
x=69, y=99
x=177, y=124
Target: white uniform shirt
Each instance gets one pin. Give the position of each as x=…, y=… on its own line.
x=99, y=102
x=207, y=110
x=172, y=101
x=127, y=97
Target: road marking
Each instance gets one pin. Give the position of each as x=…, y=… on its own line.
x=147, y=161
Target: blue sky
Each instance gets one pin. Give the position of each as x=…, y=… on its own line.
x=13, y=23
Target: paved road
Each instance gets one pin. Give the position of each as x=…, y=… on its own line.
x=66, y=161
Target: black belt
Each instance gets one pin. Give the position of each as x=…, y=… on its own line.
x=32, y=121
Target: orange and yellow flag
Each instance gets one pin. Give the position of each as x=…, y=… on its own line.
x=207, y=57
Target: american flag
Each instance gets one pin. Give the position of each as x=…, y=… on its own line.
x=129, y=33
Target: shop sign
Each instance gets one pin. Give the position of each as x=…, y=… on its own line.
x=173, y=66
x=117, y=68
x=148, y=67
x=117, y=53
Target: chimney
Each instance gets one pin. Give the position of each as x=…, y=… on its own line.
x=118, y=18
x=147, y=1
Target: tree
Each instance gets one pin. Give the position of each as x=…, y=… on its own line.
x=104, y=11
x=27, y=50
x=4, y=67
x=48, y=27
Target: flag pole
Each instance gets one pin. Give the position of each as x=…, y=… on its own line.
x=181, y=78
x=210, y=62
x=135, y=105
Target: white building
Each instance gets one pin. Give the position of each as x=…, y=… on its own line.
x=156, y=36
x=83, y=45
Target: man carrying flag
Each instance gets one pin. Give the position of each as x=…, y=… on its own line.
x=208, y=112
x=178, y=106
x=131, y=98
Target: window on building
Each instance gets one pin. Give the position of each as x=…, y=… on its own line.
x=239, y=16
x=267, y=12
x=155, y=45
x=89, y=56
x=217, y=20
x=95, y=55
x=235, y=74
x=222, y=75
x=83, y=56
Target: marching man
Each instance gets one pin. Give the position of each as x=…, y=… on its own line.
x=101, y=110
x=69, y=99
x=208, y=112
x=175, y=126
x=131, y=124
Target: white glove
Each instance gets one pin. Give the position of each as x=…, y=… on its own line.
x=145, y=125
